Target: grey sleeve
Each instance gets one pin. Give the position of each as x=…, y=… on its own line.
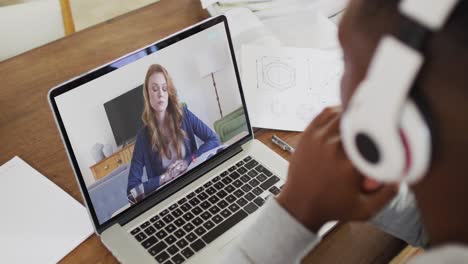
x=275, y=229
x=401, y=218
x=274, y=237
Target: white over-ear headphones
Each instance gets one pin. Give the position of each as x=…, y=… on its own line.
x=384, y=133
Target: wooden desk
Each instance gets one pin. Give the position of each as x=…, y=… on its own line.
x=27, y=127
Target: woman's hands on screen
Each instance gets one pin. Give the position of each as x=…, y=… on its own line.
x=322, y=183
x=179, y=167
x=174, y=170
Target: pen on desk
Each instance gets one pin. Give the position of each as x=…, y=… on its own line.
x=282, y=144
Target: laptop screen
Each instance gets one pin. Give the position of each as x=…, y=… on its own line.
x=138, y=124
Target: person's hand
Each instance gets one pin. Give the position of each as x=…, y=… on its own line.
x=180, y=166
x=322, y=183
x=169, y=174
x=174, y=170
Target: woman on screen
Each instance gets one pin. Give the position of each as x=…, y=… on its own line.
x=166, y=144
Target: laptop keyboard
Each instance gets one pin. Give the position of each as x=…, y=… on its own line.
x=178, y=232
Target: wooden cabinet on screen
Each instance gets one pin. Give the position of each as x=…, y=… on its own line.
x=109, y=164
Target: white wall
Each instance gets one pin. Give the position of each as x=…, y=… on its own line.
x=83, y=112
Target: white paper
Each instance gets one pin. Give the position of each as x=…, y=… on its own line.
x=207, y=3
x=246, y=28
x=305, y=29
x=285, y=8
x=241, y=20
x=242, y=1
x=285, y=88
x=332, y=7
x=40, y=222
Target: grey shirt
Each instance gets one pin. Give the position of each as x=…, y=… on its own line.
x=165, y=161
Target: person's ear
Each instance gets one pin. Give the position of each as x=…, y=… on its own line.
x=370, y=185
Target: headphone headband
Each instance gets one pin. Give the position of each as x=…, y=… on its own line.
x=433, y=15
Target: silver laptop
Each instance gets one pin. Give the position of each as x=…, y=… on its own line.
x=163, y=151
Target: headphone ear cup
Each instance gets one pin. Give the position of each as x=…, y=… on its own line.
x=374, y=147
x=416, y=137
x=403, y=147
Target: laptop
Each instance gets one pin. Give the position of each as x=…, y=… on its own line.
x=151, y=201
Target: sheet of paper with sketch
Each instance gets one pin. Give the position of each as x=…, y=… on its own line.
x=285, y=88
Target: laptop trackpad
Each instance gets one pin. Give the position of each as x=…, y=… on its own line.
x=227, y=245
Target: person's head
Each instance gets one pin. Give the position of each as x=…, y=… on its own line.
x=442, y=85
x=162, y=111
x=159, y=91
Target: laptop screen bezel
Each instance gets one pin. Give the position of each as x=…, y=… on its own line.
x=177, y=184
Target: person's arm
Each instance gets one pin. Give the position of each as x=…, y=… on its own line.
x=322, y=186
x=152, y=184
x=275, y=237
x=136, y=165
x=203, y=132
x=288, y=240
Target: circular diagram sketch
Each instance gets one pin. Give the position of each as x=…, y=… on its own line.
x=274, y=73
